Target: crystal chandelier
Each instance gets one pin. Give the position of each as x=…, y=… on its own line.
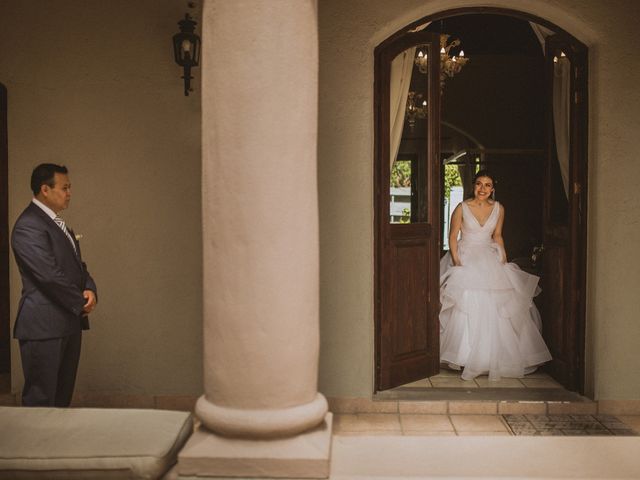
x=413, y=110
x=450, y=65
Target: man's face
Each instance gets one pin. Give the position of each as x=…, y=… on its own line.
x=57, y=197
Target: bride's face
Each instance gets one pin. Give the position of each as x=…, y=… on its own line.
x=483, y=188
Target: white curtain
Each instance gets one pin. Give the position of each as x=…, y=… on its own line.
x=561, y=115
x=540, y=32
x=401, y=69
x=561, y=105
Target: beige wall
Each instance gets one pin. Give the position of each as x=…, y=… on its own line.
x=349, y=31
x=93, y=85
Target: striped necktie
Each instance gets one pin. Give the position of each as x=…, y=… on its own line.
x=63, y=226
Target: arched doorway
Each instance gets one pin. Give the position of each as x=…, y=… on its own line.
x=546, y=167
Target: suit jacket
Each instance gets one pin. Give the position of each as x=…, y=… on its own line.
x=53, y=278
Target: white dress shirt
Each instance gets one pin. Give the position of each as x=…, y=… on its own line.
x=53, y=216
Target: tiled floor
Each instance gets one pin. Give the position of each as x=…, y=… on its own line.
x=568, y=425
x=448, y=385
x=451, y=379
x=463, y=425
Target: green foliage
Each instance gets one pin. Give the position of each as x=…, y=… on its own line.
x=451, y=179
x=406, y=216
x=401, y=174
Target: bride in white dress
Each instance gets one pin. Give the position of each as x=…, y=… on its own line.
x=488, y=321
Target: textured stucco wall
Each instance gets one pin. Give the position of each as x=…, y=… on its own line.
x=93, y=85
x=349, y=32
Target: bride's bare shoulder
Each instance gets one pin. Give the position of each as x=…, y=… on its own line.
x=458, y=210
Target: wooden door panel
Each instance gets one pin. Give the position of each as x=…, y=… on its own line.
x=407, y=288
x=407, y=254
x=553, y=288
x=563, y=277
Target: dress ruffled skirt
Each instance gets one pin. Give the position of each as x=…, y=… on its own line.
x=488, y=321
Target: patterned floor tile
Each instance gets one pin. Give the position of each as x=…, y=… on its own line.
x=581, y=425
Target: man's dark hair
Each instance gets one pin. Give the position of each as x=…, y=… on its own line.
x=44, y=174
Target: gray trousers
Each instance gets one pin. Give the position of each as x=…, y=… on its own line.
x=50, y=368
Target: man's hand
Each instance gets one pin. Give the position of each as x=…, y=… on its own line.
x=91, y=301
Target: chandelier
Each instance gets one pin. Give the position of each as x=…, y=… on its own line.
x=450, y=65
x=413, y=110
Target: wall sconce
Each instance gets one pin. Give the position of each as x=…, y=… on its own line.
x=186, y=48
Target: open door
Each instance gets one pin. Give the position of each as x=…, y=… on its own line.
x=565, y=211
x=407, y=213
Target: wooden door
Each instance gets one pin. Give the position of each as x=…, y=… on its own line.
x=407, y=253
x=565, y=214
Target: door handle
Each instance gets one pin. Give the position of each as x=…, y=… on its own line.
x=536, y=254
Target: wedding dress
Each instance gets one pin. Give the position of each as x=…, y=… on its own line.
x=488, y=321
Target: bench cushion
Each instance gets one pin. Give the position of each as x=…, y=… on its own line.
x=90, y=443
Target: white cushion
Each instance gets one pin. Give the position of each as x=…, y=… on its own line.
x=89, y=443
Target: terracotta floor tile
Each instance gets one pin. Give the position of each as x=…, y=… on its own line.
x=484, y=434
x=473, y=408
x=632, y=421
x=484, y=382
x=367, y=422
x=439, y=407
x=444, y=372
x=423, y=383
x=478, y=423
x=452, y=382
x=361, y=405
x=426, y=423
x=540, y=383
x=620, y=407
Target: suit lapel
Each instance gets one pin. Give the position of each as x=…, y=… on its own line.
x=77, y=244
x=60, y=234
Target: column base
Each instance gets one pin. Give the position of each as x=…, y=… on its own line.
x=266, y=423
x=307, y=455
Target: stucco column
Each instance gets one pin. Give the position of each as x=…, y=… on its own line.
x=260, y=218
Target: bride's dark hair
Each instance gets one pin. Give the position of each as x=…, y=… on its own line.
x=484, y=173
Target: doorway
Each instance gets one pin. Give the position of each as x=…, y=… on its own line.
x=5, y=337
x=497, y=113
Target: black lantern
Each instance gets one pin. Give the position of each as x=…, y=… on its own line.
x=186, y=48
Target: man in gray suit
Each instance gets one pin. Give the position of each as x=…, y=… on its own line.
x=57, y=291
